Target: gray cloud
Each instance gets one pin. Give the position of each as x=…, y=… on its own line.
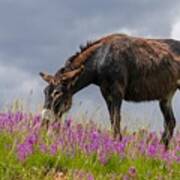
x=37, y=35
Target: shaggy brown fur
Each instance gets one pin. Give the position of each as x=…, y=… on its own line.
x=125, y=68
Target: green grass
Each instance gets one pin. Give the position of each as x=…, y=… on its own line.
x=78, y=165
x=43, y=166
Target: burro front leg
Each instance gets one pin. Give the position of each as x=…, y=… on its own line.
x=114, y=105
x=169, y=120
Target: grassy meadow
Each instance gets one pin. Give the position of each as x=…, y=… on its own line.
x=74, y=150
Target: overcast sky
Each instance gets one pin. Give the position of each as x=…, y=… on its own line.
x=39, y=35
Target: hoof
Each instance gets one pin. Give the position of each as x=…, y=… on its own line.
x=118, y=137
x=165, y=141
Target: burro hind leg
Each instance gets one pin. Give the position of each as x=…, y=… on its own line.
x=169, y=120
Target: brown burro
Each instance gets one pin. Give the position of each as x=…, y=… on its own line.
x=125, y=68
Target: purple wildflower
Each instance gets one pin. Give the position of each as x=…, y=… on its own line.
x=126, y=177
x=152, y=150
x=120, y=147
x=32, y=139
x=53, y=149
x=43, y=148
x=90, y=177
x=103, y=158
x=132, y=171
x=24, y=150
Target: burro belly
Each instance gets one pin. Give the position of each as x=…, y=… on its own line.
x=149, y=90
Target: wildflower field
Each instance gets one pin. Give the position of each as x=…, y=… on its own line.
x=73, y=150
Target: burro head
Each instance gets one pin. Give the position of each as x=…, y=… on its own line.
x=58, y=94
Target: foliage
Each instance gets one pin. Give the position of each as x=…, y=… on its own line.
x=74, y=150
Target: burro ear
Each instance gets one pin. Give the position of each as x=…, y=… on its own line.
x=47, y=77
x=72, y=74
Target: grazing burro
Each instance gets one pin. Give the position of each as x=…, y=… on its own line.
x=125, y=68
